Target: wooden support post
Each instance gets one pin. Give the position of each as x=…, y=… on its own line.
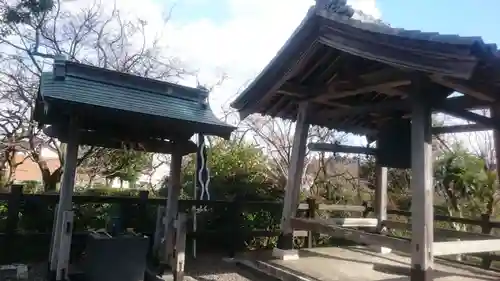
x=143, y=211
x=174, y=190
x=292, y=190
x=180, y=247
x=486, y=229
x=422, y=235
x=235, y=227
x=495, y=114
x=65, y=246
x=381, y=201
x=13, y=207
x=159, y=227
x=311, y=214
x=65, y=192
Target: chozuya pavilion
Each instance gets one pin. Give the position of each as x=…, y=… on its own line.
x=343, y=70
x=84, y=105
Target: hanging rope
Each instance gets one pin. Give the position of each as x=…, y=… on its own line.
x=202, y=181
x=203, y=174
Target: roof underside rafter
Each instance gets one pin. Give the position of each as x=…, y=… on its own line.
x=359, y=72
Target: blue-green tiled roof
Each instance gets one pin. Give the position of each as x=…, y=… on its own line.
x=82, y=84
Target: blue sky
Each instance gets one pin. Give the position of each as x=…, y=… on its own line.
x=192, y=10
x=242, y=36
x=463, y=17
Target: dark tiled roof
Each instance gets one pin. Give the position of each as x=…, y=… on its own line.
x=337, y=19
x=338, y=10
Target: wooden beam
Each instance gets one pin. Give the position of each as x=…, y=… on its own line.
x=331, y=93
x=459, y=129
x=467, y=115
x=332, y=147
x=464, y=247
x=462, y=102
x=466, y=102
x=373, y=81
x=357, y=236
x=379, y=107
x=422, y=188
x=460, y=86
x=303, y=93
x=104, y=139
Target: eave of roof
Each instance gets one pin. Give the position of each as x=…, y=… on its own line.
x=343, y=21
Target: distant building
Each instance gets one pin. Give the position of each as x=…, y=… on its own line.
x=29, y=170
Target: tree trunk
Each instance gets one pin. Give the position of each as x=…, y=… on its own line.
x=3, y=172
x=50, y=180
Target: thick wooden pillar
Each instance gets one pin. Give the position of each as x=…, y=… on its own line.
x=381, y=200
x=172, y=208
x=65, y=200
x=292, y=191
x=422, y=190
x=381, y=193
x=495, y=113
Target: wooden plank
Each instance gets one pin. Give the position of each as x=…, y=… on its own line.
x=357, y=236
x=495, y=224
x=440, y=232
x=353, y=222
x=338, y=207
x=180, y=247
x=464, y=247
x=334, y=207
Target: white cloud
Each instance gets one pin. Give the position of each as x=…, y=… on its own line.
x=246, y=42
x=239, y=46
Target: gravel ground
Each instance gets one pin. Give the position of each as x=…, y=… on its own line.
x=37, y=272
x=204, y=268
x=213, y=267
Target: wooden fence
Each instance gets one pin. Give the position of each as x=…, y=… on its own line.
x=15, y=200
